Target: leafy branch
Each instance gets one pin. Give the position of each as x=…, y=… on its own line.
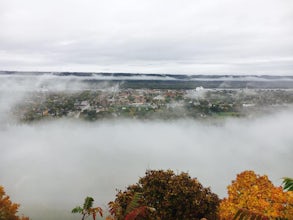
x=87, y=209
x=133, y=209
x=287, y=184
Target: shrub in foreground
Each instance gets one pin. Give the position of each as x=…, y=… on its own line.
x=172, y=196
x=255, y=195
x=8, y=209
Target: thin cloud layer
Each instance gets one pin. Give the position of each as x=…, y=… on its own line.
x=187, y=36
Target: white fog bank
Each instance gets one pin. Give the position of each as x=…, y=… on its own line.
x=50, y=167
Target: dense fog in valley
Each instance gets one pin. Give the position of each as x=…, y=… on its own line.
x=49, y=167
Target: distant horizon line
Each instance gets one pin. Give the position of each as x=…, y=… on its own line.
x=143, y=73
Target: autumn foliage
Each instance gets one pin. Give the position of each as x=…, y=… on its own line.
x=172, y=196
x=8, y=210
x=256, y=194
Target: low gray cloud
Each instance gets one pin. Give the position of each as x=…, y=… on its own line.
x=149, y=36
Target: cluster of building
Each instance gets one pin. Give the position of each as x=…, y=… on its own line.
x=149, y=103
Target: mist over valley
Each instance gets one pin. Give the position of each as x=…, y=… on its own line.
x=49, y=165
x=97, y=95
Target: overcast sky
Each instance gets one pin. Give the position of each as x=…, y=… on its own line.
x=148, y=36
